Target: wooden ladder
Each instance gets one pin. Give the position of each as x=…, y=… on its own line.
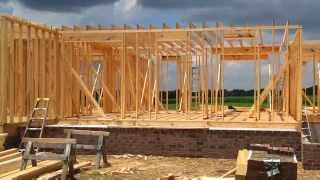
x=305, y=125
x=38, y=113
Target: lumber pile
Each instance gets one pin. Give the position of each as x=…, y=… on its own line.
x=10, y=163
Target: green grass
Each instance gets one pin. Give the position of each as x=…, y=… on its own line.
x=238, y=101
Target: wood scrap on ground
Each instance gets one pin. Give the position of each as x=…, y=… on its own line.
x=173, y=177
x=57, y=174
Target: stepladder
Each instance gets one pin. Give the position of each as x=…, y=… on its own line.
x=36, y=123
x=305, y=125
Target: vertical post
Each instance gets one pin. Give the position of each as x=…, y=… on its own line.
x=62, y=77
x=20, y=82
x=217, y=75
x=269, y=80
x=206, y=83
x=11, y=72
x=189, y=74
x=178, y=82
x=137, y=74
x=123, y=74
x=150, y=83
x=259, y=81
x=3, y=70
x=318, y=86
x=272, y=72
x=314, y=83
x=167, y=84
x=157, y=79
x=222, y=73
x=299, y=97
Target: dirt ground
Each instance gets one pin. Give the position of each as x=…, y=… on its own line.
x=138, y=167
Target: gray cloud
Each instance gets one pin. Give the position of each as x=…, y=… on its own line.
x=243, y=11
x=236, y=12
x=182, y=4
x=63, y=5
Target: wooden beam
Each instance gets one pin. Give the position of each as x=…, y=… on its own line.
x=4, y=67
x=9, y=151
x=57, y=174
x=242, y=164
x=34, y=172
x=10, y=156
x=10, y=165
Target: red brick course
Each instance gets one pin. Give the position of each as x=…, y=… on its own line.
x=201, y=142
x=311, y=155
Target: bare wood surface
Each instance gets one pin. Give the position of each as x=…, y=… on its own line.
x=50, y=140
x=87, y=132
x=34, y=172
x=9, y=151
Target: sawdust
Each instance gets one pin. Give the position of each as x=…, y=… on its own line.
x=139, y=167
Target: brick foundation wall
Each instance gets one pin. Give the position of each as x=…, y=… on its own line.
x=203, y=142
x=311, y=155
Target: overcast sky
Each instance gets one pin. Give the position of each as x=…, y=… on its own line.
x=156, y=12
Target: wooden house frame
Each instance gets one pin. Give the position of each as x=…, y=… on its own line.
x=114, y=74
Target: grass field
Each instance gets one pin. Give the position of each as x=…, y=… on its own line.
x=238, y=101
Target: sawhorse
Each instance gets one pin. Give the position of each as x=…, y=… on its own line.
x=99, y=147
x=68, y=157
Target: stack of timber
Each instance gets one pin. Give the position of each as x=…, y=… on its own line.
x=10, y=163
x=265, y=162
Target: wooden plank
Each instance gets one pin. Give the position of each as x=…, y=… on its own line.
x=36, y=57
x=62, y=78
x=10, y=165
x=29, y=72
x=61, y=157
x=57, y=174
x=50, y=140
x=9, y=151
x=87, y=132
x=34, y=172
x=242, y=163
x=11, y=74
x=42, y=65
x=10, y=156
x=75, y=85
x=68, y=78
x=4, y=66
